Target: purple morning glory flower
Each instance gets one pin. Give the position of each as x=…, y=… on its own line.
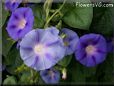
x=12, y=4
x=42, y=48
x=20, y=23
x=70, y=40
x=110, y=45
x=50, y=76
x=91, y=50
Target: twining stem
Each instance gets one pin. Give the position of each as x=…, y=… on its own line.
x=47, y=22
x=47, y=6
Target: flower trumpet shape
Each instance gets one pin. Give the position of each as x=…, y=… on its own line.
x=42, y=48
x=91, y=50
x=50, y=76
x=20, y=23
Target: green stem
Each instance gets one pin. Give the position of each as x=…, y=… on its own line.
x=54, y=14
x=32, y=75
x=9, y=39
x=52, y=11
x=59, y=24
x=36, y=77
x=47, y=6
x=20, y=69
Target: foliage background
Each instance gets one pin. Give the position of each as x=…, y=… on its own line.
x=81, y=20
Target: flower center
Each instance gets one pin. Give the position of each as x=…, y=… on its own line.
x=51, y=73
x=39, y=49
x=22, y=23
x=90, y=49
x=66, y=43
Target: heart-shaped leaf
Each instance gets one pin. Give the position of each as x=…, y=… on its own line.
x=76, y=16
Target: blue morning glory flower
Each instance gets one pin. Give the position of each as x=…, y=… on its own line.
x=91, y=50
x=50, y=76
x=70, y=40
x=11, y=5
x=20, y=23
x=42, y=48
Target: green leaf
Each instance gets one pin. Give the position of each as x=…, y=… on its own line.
x=65, y=61
x=12, y=54
x=12, y=68
x=75, y=72
x=40, y=81
x=10, y=80
x=103, y=21
x=92, y=79
x=105, y=70
x=25, y=78
x=78, y=73
x=4, y=15
x=89, y=71
x=38, y=16
x=6, y=42
x=76, y=16
x=12, y=58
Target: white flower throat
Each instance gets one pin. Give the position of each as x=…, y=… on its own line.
x=90, y=49
x=22, y=23
x=39, y=49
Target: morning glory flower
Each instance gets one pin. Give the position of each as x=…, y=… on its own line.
x=91, y=50
x=12, y=5
x=42, y=48
x=50, y=76
x=70, y=40
x=20, y=23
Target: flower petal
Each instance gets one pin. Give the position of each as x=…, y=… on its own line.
x=50, y=76
x=71, y=39
x=45, y=51
x=16, y=20
x=91, y=50
x=12, y=4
